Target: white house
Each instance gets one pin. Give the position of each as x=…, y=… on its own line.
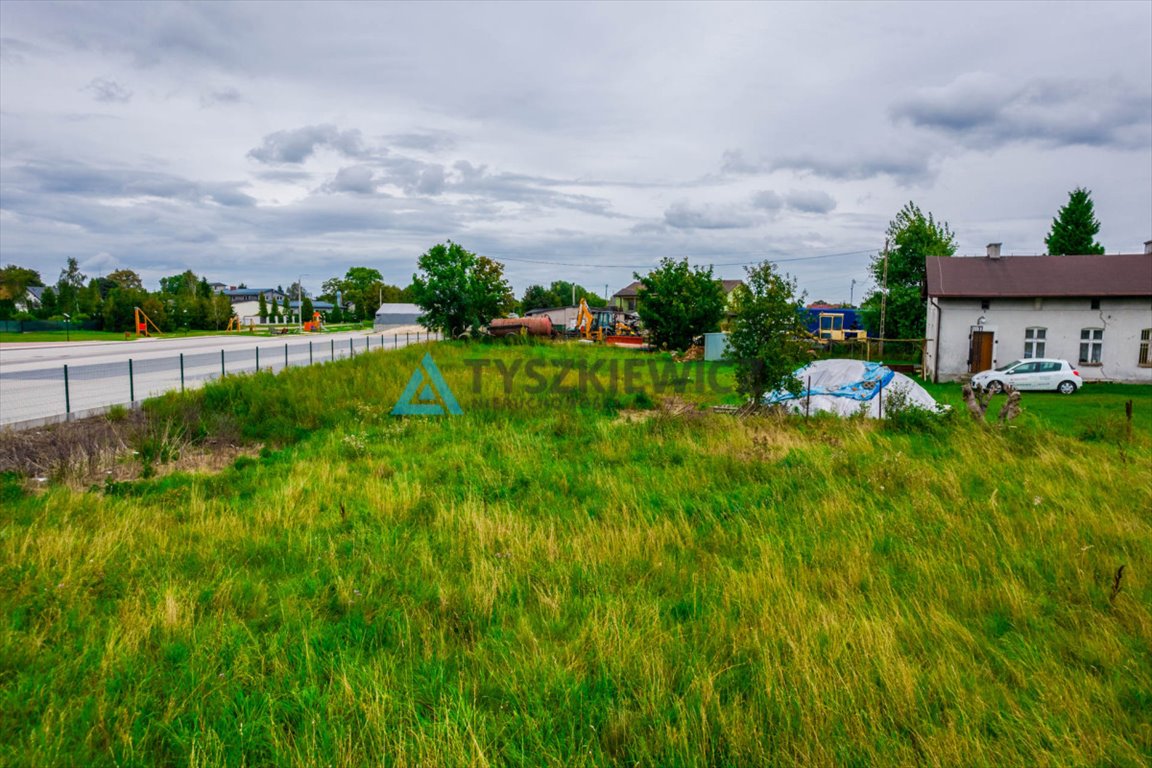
x=1094, y=311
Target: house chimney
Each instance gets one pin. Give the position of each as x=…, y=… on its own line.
x=994, y=250
x=1148, y=246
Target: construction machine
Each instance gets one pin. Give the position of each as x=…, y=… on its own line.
x=831, y=328
x=604, y=325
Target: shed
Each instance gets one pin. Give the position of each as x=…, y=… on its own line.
x=391, y=315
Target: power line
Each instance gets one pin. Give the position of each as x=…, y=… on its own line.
x=650, y=266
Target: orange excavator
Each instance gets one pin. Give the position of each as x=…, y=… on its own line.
x=603, y=325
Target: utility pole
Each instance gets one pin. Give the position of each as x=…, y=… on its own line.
x=852, y=293
x=884, y=297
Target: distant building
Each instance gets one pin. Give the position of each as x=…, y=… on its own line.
x=238, y=295
x=395, y=315
x=626, y=297
x=1093, y=311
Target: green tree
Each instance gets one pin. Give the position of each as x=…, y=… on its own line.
x=14, y=281
x=118, y=308
x=68, y=287
x=306, y=309
x=536, y=297
x=362, y=287
x=1075, y=227
x=219, y=311
x=126, y=278
x=263, y=309
x=767, y=333
x=459, y=291
x=49, y=303
x=677, y=302
x=912, y=237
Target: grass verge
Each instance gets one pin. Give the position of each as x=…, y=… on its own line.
x=579, y=576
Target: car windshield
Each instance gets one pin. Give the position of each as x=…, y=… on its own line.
x=1012, y=364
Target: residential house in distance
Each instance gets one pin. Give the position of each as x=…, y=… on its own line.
x=625, y=298
x=240, y=295
x=1093, y=311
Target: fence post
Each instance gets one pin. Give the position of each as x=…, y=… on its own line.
x=285, y=354
x=222, y=373
x=131, y=382
x=309, y=351
x=351, y=348
x=395, y=341
x=333, y=341
x=405, y=338
x=181, y=371
x=808, y=399
x=67, y=393
x=257, y=359
x=880, y=395
x=366, y=340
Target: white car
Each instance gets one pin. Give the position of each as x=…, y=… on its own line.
x=1035, y=373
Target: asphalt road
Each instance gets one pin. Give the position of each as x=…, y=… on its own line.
x=105, y=373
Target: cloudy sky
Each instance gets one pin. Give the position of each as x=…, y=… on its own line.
x=260, y=142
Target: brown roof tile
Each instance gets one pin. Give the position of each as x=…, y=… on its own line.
x=633, y=288
x=1030, y=276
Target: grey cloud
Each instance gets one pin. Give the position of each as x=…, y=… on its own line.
x=222, y=96
x=284, y=176
x=427, y=142
x=985, y=111
x=683, y=215
x=108, y=91
x=86, y=181
x=357, y=178
x=767, y=200
x=810, y=201
x=530, y=191
x=734, y=162
x=903, y=168
x=431, y=181
x=13, y=51
x=297, y=145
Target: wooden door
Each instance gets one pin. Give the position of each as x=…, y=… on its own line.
x=980, y=357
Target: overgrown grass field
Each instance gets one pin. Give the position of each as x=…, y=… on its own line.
x=585, y=577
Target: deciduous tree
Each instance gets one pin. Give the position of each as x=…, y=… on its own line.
x=459, y=291
x=767, y=334
x=677, y=302
x=912, y=237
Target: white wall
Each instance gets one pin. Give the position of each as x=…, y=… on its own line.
x=1121, y=319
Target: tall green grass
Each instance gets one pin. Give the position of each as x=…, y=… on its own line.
x=584, y=579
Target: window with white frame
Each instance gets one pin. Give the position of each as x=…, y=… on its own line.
x=1145, y=341
x=1034, y=342
x=1091, y=344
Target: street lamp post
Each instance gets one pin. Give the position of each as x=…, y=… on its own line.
x=300, y=299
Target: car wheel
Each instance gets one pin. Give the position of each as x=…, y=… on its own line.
x=995, y=387
x=1066, y=388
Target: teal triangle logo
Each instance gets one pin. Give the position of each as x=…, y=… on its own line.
x=427, y=393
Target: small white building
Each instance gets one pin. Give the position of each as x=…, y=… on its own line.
x=396, y=315
x=1093, y=311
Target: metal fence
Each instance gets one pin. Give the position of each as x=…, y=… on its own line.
x=44, y=395
x=28, y=326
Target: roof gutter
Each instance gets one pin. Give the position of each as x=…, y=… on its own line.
x=936, y=342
